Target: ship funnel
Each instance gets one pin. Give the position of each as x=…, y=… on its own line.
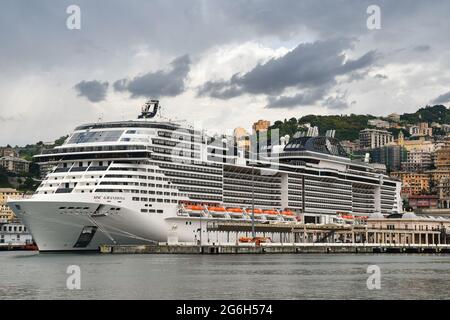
x=146, y=113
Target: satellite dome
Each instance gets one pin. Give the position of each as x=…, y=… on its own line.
x=409, y=215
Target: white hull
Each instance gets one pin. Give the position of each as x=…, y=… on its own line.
x=56, y=231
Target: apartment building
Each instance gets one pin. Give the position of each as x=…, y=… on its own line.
x=374, y=138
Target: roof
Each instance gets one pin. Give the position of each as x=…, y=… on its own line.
x=9, y=190
x=325, y=145
x=7, y=158
x=423, y=197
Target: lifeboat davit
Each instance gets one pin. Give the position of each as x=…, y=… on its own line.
x=235, y=212
x=257, y=211
x=271, y=214
x=288, y=215
x=195, y=210
x=259, y=215
x=217, y=211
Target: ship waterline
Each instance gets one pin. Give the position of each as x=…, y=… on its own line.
x=138, y=182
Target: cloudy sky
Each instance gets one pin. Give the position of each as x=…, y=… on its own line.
x=217, y=64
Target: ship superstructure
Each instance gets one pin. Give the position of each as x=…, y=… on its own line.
x=133, y=182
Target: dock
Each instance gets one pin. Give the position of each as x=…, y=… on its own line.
x=17, y=247
x=274, y=248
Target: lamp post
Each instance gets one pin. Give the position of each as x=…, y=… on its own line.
x=253, y=201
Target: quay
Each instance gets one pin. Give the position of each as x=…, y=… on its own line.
x=393, y=235
x=18, y=247
x=274, y=248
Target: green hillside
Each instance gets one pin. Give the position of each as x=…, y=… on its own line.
x=437, y=113
x=348, y=126
x=31, y=150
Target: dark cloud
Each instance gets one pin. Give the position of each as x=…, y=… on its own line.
x=422, y=48
x=443, y=98
x=157, y=84
x=337, y=102
x=310, y=67
x=306, y=98
x=94, y=91
x=381, y=76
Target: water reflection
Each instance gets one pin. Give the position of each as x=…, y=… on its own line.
x=43, y=276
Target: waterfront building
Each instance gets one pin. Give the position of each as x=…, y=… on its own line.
x=15, y=164
x=413, y=183
x=420, y=143
x=261, y=125
x=6, y=214
x=417, y=161
x=374, y=138
x=14, y=234
x=408, y=229
x=420, y=202
x=390, y=155
x=444, y=193
x=443, y=156
x=442, y=164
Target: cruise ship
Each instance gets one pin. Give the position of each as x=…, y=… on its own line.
x=145, y=180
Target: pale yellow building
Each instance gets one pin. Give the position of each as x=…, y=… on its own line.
x=242, y=138
x=440, y=177
x=443, y=157
x=420, y=144
x=413, y=183
x=408, y=229
x=8, y=152
x=5, y=212
x=444, y=193
x=261, y=125
x=15, y=164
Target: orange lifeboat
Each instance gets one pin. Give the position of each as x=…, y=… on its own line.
x=194, y=208
x=257, y=211
x=217, y=209
x=235, y=210
x=288, y=213
x=271, y=212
